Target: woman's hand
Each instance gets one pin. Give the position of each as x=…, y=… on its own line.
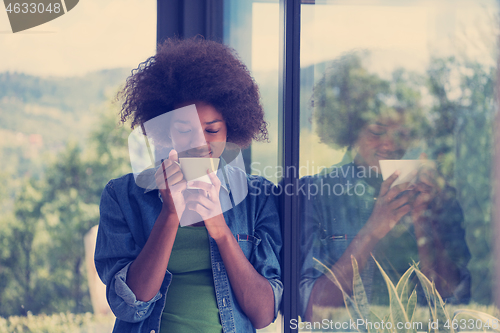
x=253, y=292
x=391, y=205
x=427, y=187
x=206, y=203
x=171, y=184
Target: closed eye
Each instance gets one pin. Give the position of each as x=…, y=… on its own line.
x=377, y=132
x=376, y=129
x=182, y=128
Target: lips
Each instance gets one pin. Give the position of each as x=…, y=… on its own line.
x=383, y=156
x=391, y=155
x=202, y=154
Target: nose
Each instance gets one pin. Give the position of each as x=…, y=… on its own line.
x=198, y=139
x=389, y=142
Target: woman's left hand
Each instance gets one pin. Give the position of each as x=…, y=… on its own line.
x=427, y=187
x=206, y=203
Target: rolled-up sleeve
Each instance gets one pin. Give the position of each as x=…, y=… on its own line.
x=133, y=308
x=266, y=256
x=116, y=249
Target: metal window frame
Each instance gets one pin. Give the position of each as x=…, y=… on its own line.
x=188, y=18
x=289, y=136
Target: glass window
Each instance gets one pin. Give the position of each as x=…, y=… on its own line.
x=60, y=144
x=252, y=29
x=397, y=106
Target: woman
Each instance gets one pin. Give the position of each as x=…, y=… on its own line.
x=358, y=213
x=221, y=274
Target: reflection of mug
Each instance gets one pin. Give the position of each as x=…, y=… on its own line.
x=408, y=169
x=195, y=168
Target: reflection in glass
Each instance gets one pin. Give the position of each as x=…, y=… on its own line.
x=416, y=89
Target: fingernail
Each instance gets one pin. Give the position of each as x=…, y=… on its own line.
x=411, y=187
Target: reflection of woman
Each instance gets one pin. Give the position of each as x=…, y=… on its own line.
x=357, y=213
x=223, y=274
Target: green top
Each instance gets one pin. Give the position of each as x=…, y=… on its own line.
x=191, y=304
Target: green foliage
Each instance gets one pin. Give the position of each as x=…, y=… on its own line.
x=349, y=96
x=39, y=115
x=20, y=256
x=461, y=140
x=344, y=98
x=402, y=309
x=42, y=253
x=56, y=323
x=67, y=94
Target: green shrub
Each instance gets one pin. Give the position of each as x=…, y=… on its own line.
x=437, y=317
x=57, y=323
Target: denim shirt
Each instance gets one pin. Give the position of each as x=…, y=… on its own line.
x=338, y=203
x=128, y=214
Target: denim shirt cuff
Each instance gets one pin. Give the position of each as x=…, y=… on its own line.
x=305, y=290
x=461, y=294
x=277, y=287
x=124, y=291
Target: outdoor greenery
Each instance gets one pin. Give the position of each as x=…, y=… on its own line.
x=57, y=323
x=403, y=309
x=52, y=185
x=42, y=256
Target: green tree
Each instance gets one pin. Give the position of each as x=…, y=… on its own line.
x=42, y=251
x=462, y=142
x=20, y=286
x=74, y=183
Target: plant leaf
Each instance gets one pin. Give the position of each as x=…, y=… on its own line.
x=411, y=308
x=427, y=287
x=398, y=313
x=350, y=305
x=412, y=305
x=377, y=319
x=358, y=290
x=442, y=314
x=484, y=317
x=435, y=303
x=402, y=286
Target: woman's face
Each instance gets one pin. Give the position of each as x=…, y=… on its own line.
x=203, y=135
x=384, y=139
